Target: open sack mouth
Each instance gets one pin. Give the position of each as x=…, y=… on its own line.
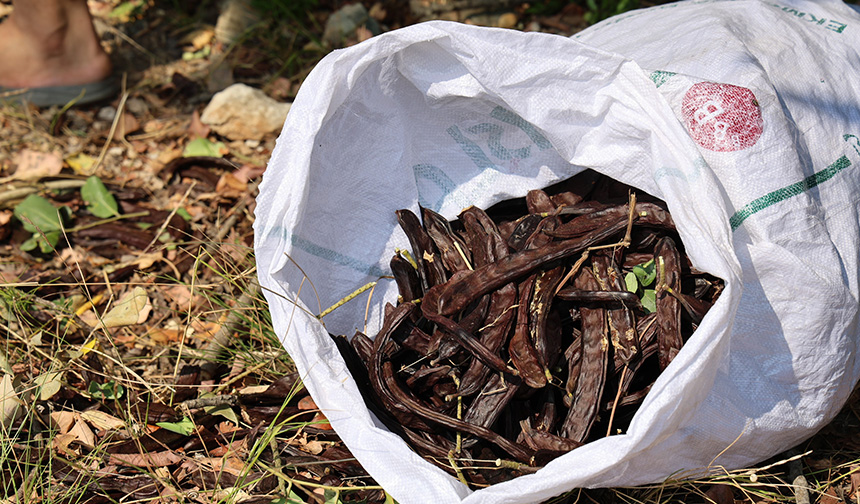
x=529, y=329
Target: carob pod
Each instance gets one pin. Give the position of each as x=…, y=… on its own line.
x=595, y=356
x=406, y=277
x=430, y=269
x=538, y=201
x=518, y=452
x=622, y=322
x=457, y=294
x=523, y=354
x=573, y=354
x=523, y=347
x=537, y=439
x=544, y=327
x=668, y=264
x=429, y=308
x=452, y=250
x=608, y=299
x=500, y=319
x=374, y=370
x=471, y=323
x=491, y=402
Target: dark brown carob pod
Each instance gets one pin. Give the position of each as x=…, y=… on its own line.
x=622, y=321
x=668, y=264
x=592, y=376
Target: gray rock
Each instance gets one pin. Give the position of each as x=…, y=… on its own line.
x=106, y=113
x=137, y=107
x=343, y=23
x=241, y=112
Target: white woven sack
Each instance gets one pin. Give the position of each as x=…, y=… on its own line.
x=746, y=122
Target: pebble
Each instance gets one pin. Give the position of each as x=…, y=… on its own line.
x=106, y=114
x=242, y=112
x=507, y=20
x=343, y=23
x=137, y=106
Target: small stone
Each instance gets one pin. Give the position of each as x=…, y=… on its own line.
x=533, y=26
x=137, y=106
x=252, y=144
x=343, y=23
x=106, y=114
x=116, y=151
x=507, y=20
x=241, y=112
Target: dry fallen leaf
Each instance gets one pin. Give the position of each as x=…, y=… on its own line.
x=126, y=125
x=49, y=384
x=230, y=187
x=313, y=447
x=204, y=330
x=163, y=336
x=132, y=308
x=62, y=442
x=830, y=496
x=126, y=340
x=82, y=164
x=157, y=459
x=63, y=420
x=198, y=39
x=248, y=172
x=307, y=403
x=102, y=421
x=720, y=494
x=197, y=129
x=181, y=296
x=33, y=165
x=83, y=434
x=10, y=405
x=236, y=448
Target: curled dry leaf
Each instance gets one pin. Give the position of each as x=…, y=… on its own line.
x=62, y=420
x=126, y=125
x=236, y=449
x=231, y=187
x=307, y=403
x=197, y=129
x=182, y=297
x=10, y=405
x=83, y=434
x=132, y=308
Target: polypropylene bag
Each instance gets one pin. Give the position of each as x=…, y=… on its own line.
x=744, y=116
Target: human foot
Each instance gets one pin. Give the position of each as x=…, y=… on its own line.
x=47, y=43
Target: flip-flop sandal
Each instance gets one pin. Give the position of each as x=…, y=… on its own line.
x=80, y=94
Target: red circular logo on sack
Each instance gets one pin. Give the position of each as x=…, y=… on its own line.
x=722, y=117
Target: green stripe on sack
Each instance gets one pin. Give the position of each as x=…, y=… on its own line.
x=788, y=191
x=661, y=76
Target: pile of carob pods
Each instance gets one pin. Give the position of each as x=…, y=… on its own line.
x=527, y=330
